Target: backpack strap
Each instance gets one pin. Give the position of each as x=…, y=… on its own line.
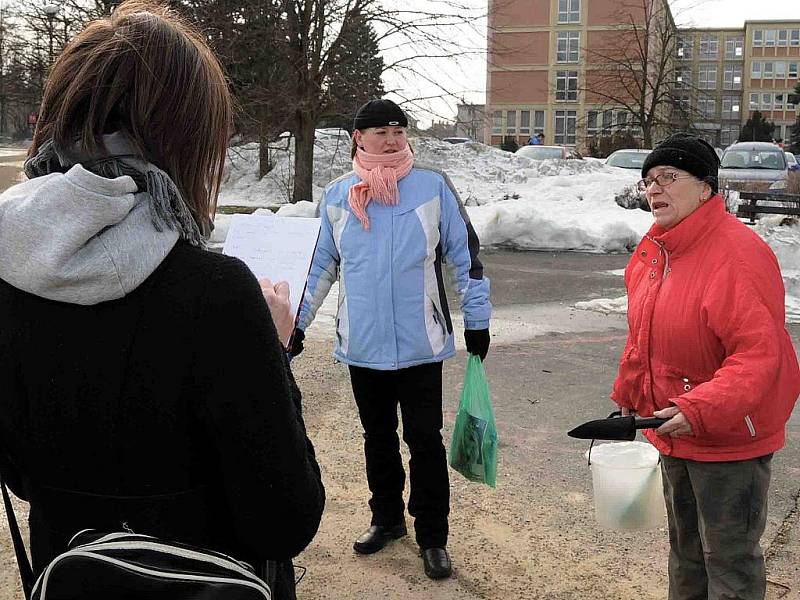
x=25, y=571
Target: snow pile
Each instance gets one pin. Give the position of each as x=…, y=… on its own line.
x=607, y=306
x=513, y=201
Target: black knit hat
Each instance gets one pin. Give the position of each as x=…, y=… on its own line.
x=689, y=153
x=380, y=113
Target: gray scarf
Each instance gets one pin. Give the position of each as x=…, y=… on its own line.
x=167, y=206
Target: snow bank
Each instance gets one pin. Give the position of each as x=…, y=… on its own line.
x=513, y=201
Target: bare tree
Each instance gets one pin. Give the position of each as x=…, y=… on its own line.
x=316, y=31
x=633, y=68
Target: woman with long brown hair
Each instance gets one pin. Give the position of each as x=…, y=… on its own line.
x=144, y=384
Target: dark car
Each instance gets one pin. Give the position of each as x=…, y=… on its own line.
x=754, y=166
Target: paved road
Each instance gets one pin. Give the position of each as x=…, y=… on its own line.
x=10, y=166
x=550, y=368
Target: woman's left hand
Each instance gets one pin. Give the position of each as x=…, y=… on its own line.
x=677, y=425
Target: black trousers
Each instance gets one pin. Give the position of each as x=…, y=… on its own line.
x=418, y=391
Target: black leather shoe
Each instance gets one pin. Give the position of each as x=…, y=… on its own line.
x=437, y=563
x=377, y=536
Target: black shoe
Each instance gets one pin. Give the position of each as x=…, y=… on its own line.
x=377, y=536
x=437, y=563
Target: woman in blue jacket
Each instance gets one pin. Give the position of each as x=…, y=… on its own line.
x=387, y=228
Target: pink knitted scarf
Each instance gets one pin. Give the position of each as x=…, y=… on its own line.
x=379, y=175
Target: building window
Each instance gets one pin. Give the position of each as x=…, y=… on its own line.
x=497, y=123
x=709, y=46
x=770, y=37
x=732, y=77
x=707, y=77
x=538, y=121
x=683, y=103
x=753, y=101
x=707, y=107
x=608, y=119
x=789, y=105
x=566, y=121
x=792, y=70
x=755, y=72
x=525, y=122
x=622, y=119
x=569, y=11
x=795, y=37
x=783, y=37
x=780, y=70
x=768, y=71
x=511, y=122
x=566, y=85
x=766, y=101
x=758, y=38
x=591, y=122
x=778, y=105
x=685, y=47
x=568, y=46
x=728, y=135
x=734, y=47
x=683, y=76
x=730, y=108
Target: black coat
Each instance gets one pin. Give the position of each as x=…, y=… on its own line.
x=172, y=411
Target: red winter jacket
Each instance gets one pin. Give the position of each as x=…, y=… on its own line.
x=707, y=333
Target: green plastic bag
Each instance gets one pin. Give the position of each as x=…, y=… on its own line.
x=473, y=449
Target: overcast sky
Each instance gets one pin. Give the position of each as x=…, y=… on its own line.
x=466, y=77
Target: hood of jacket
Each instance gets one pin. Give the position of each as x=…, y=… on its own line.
x=79, y=238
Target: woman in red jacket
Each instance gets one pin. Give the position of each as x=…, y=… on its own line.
x=707, y=349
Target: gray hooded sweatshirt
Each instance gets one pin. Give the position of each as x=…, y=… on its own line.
x=79, y=238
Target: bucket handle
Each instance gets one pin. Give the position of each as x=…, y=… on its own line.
x=616, y=413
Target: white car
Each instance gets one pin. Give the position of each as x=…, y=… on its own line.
x=629, y=158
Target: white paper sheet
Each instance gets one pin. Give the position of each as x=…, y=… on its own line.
x=280, y=248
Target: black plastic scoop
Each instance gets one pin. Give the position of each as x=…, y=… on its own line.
x=615, y=428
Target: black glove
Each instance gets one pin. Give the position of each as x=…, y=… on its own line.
x=297, y=342
x=477, y=341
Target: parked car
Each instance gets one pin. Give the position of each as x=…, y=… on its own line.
x=540, y=152
x=753, y=166
x=629, y=158
x=456, y=140
x=791, y=161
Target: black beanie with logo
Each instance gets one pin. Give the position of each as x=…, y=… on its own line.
x=688, y=153
x=380, y=113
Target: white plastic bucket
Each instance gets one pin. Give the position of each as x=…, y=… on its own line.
x=626, y=479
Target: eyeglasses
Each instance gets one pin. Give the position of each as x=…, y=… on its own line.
x=662, y=179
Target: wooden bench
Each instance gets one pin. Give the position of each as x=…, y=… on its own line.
x=752, y=204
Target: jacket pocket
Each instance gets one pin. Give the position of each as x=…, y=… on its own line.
x=435, y=325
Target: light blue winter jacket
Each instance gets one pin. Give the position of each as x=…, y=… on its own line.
x=393, y=311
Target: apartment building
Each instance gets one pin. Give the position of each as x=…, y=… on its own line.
x=772, y=63
x=471, y=121
x=543, y=57
x=709, y=80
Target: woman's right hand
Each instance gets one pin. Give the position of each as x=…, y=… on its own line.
x=277, y=297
